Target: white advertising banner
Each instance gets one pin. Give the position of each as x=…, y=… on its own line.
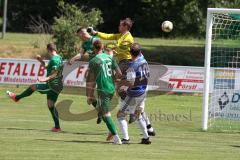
x=163, y=78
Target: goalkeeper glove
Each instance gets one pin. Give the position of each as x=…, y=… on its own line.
x=91, y=31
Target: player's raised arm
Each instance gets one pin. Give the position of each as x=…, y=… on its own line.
x=76, y=57
x=40, y=59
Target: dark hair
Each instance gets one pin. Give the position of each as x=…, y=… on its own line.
x=81, y=29
x=51, y=47
x=127, y=22
x=97, y=45
x=135, y=49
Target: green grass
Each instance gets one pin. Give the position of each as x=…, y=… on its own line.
x=24, y=132
x=177, y=51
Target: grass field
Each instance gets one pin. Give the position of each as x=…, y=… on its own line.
x=177, y=51
x=24, y=132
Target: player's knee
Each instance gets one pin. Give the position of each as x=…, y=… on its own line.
x=121, y=114
x=33, y=87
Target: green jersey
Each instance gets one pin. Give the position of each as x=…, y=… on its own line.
x=102, y=65
x=87, y=46
x=55, y=64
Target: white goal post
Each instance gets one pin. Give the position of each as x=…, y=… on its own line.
x=221, y=27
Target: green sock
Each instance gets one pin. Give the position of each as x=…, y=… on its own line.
x=25, y=93
x=54, y=113
x=110, y=124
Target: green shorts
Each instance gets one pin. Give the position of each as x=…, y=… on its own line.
x=44, y=89
x=104, y=102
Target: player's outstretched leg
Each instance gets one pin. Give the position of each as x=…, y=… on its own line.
x=54, y=114
x=123, y=126
x=111, y=127
x=24, y=94
x=150, y=129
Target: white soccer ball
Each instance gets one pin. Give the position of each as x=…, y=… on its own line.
x=167, y=26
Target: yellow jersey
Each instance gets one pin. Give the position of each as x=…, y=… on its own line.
x=121, y=40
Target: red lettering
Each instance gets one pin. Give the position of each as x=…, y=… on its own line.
x=32, y=70
x=2, y=68
x=41, y=71
x=10, y=68
x=17, y=70
x=24, y=70
x=80, y=71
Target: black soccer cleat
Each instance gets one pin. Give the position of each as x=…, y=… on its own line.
x=99, y=119
x=145, y=141
x=151, y=133
x=125, y=141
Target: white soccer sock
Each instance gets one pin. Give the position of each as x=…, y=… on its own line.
x=143, y=127
x=124, y=127
x=145, y=117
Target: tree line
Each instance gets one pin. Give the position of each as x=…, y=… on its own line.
x=188, y=16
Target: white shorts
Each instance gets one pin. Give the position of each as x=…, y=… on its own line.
x=130, y=104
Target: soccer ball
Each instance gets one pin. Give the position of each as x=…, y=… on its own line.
x=167, y=26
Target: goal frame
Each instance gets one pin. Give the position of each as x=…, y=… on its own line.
x=207, y=61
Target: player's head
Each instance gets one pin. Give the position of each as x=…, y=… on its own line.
x=125, y=25
x=51, y=47
x=135, y=50
x=97, y=46
x=83, y=34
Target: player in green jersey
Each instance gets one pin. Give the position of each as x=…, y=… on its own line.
x=101, y=69
x=86, y=54
x=52, y=85
x=86, y=49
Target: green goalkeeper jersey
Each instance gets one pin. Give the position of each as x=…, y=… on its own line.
x=87, y=46
x=102, y=66
x=55, y=64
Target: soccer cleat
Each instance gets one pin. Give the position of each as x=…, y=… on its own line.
x=125, y=141
x=151, y=133
x=99, y=119
x=145, y=141
x=11, y=95
x=56, y=129
x=109, y=137
x=117, y=141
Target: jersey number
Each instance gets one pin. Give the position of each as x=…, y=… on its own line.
x=107, y=69
x=144, y=72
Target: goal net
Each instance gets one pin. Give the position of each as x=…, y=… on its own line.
x=221, y=107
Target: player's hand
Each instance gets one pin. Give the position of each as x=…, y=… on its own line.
x=91, y=31
x=39, y=58
x=40, y=79
x=70, y=62
x=89, y=100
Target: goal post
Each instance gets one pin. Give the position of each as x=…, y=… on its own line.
x=221, y=57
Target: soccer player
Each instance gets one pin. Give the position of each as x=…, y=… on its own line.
x=123, y=56
x=52, y=85
x=101, y=69
x=136, y=80
x=86, y=54
x=86, y=49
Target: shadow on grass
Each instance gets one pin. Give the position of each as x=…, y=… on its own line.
x=79, y=141
x=62, y=132
x=73, y=141
x=236, y=146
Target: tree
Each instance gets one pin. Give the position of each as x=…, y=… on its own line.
x=65, y=26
